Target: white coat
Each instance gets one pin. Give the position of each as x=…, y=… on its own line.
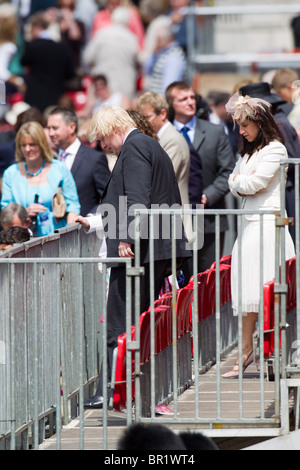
x=258, y=182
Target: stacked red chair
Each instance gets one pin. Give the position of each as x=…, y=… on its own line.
x=163, y=327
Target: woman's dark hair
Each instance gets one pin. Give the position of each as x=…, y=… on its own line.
x=142, y=123
x=269, y=131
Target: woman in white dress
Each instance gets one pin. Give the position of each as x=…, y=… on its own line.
x=255, y=178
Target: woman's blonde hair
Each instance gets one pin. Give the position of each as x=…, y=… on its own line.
x=108, y=119
x=8, y=29
x=37, y=133
x=157, y=101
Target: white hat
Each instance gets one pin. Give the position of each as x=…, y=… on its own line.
x=16, y=109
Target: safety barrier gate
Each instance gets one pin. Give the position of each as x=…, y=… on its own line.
x=196, y=322
x=52, y=340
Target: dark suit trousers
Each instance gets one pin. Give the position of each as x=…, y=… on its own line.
x=116, y=304
x=205, y=256
x=290, y=209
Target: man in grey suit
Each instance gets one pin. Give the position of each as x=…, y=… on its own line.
x=214, y=149
x=88, y=166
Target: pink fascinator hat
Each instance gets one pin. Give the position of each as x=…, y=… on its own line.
x=242, y=107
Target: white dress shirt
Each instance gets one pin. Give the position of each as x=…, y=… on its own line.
x=191, y=125
x=72, y=152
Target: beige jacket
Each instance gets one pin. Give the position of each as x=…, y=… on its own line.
x=175, y=145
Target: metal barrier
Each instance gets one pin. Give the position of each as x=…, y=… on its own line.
x=203, y=53
x=290, y=318
x=52, y=343
x=214, y=328
x=284, y=328
x=51, y=305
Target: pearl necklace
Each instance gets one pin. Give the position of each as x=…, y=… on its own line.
x=37, y=172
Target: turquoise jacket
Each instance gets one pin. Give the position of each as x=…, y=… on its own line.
x=15, y=188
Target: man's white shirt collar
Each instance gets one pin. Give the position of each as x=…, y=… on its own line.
x=129, y=132
x=74, y=147
x=191, y=125
x=162, y=129
x=72, y=152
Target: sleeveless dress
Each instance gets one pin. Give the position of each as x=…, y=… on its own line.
x=258, y=181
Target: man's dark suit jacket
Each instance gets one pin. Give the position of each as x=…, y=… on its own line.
x=292, y=145
x=218, y=161
x=7, y=155
x=50, y=65
x=90, y=172
x=145, y=174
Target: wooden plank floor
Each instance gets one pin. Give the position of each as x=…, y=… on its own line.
x=93, y=431
x=229, y=392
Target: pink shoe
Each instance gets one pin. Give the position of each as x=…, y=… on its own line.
x=232, y=373
x=235, y=371
x=163, y=410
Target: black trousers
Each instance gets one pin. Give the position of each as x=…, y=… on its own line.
x=116, y=305
x=290, y=209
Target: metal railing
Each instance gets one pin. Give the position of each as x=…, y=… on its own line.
x=217, y=328
x=204, y=53
x=50, y=333
x=52, y=343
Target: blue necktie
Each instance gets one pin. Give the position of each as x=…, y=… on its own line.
x=184, y=132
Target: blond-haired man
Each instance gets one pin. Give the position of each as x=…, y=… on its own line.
x=142, y=176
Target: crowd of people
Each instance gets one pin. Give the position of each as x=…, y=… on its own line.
x=51, y=51
x=47, y=47
x=142, y=132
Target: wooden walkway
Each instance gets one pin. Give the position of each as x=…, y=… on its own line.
x=93, y=431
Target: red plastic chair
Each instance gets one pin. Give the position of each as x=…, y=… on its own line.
x=202, y=295
x=183, y=309
x=145, y=337
x=225, y=283
x=291, y=281
x=159, y=330
x=210, y=305
x=145, y=331
x=268, y=318
x=119, y=398
x=167, y=299
x=226, y=260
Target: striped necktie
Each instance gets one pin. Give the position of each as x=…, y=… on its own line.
x=184, y=132
x=63, y=155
